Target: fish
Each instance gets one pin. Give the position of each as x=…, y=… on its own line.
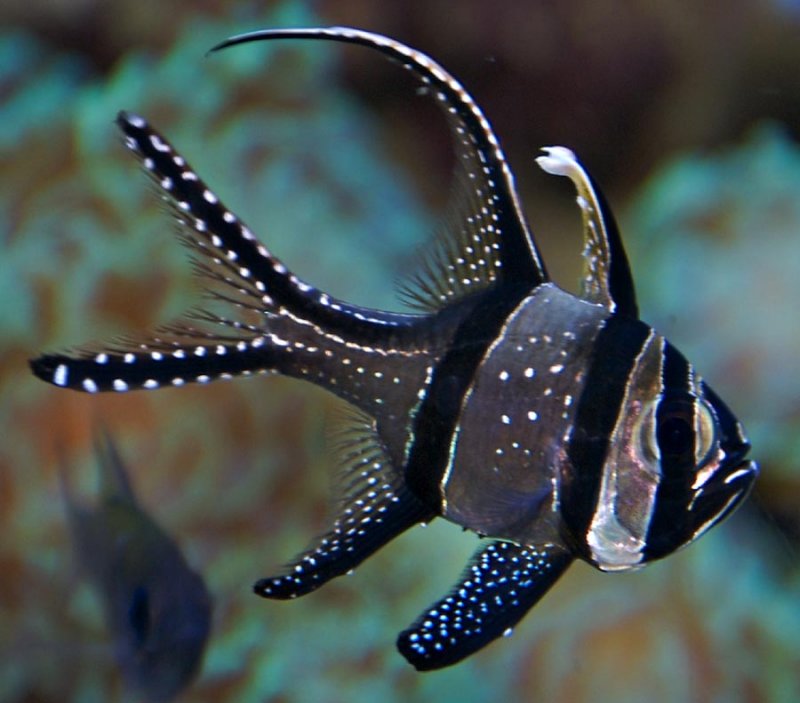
x=156, y=607
x=556, y=426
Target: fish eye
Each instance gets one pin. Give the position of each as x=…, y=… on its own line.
x=674, y=434
x=139, y=615
x=685, y=430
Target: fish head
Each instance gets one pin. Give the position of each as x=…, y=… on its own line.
x=674, y=465
x=705, y=472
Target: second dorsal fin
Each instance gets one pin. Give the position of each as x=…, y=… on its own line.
x=484, y=239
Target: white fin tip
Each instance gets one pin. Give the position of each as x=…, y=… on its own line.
x=559, y=161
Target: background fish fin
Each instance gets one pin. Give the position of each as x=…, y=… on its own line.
x=73, y=508
x=485, y=236
x=607, y=278
x=113, y=476
x=501, y=583
x=373, y=508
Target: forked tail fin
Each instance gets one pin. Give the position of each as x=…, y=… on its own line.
x=283, y=313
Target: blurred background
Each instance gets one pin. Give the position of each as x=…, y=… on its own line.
x=687, y=113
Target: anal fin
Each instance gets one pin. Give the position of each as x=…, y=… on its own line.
x=501, y=583
x=374, y=508
x=356, y=534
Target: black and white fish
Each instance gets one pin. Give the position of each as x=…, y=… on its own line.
x=556, y=426
x=157, y=609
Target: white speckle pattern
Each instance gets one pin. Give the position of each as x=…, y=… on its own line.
x=230, y=239
x=502, y=582
x=375, y=509
x=61, y=375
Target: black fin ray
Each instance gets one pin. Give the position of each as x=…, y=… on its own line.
x=501, y=583
x=374, y=508
x=607, y=277
x=228, y=254
x=487, y=237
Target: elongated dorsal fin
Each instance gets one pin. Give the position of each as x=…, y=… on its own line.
x=485, y=238
x=607, y=277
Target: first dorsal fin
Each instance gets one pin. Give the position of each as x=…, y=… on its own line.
x=485, y=238
x=607, y=276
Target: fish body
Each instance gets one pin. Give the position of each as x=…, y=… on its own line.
x=157, y=609
x=558, y=426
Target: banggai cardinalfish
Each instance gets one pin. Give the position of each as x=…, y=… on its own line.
x=557, y=426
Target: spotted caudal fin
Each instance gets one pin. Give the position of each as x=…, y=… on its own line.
x=272, y=305
x=502, y=582
x=374, y=507
x=607, y=278
x=485, y=239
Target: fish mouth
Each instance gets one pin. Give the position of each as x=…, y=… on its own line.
x=740, y=478
x=722, y=495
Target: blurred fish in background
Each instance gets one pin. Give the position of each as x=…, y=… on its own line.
x=338, y=167
x=157, y=609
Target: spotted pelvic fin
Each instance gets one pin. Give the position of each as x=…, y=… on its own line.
x=374, y=507
x=607, y=278
x=484, y=239
x=501, y=583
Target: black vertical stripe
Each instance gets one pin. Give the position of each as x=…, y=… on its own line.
x=610, y=365
x=677, y=372
x=670, y=525
x=437, y=417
